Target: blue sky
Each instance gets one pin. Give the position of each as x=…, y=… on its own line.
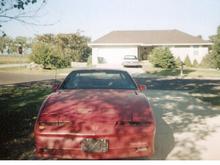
x=97, y=17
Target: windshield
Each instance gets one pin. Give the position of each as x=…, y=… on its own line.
x=98, y=80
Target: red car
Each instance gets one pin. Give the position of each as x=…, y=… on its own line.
x=95, y=114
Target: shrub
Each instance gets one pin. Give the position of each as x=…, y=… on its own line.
x=178, y=61
x=59, y=62
x=48, y=56
x=195, y=63
x=162, y=57
x=207, y=62
x=41, y=54
x=187, y=61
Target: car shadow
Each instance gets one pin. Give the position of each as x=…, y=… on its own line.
x=164, y=139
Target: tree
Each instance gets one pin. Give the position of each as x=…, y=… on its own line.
x=20, y=43
x=207, y=61
x=14, y=10
x=21, y=40
x=215, y=53
x=187, y=61
x=162, y=57
x=178, y=61
x=72, y=45
x=59, y=50
x=4, y=43
x=195, y=63
x=46, y=38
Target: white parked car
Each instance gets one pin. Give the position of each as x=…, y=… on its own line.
x=131, y=60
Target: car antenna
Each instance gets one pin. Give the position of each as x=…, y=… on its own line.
x=54, y=62
x=55, y=76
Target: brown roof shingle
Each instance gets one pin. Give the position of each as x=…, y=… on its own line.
x=149, y=37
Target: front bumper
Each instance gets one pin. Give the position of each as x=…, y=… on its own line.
x=131, y=64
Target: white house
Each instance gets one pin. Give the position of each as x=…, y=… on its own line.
x=112, y=47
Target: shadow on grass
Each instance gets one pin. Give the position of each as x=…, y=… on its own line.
x=203, y=89
x=19, y=104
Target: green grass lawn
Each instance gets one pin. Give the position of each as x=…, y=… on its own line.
x=208, y=93
x=14, y=59
x=19, y=105
x=187, y=72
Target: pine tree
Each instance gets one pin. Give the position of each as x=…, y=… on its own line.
x=195, y=63
x=178, y=61
x=162, y=57
x=187, y=61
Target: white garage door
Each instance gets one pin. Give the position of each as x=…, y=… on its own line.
x=112, y=55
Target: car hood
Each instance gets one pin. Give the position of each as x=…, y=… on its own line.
x=96, y=105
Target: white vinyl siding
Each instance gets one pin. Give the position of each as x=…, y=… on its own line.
x=194, y=52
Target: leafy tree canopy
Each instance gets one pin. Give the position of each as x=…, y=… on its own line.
x=14, y=10
x=215, y=53
x=59, y=50
x=73, y=45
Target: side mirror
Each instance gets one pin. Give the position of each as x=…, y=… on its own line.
x=142, y=87
x=55, y=87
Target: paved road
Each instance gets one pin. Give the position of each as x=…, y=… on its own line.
x=9, y=78
x=13, y=65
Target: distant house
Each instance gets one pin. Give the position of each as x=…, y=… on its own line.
x=112, y=47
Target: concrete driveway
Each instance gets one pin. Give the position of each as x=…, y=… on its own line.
x=187, y=128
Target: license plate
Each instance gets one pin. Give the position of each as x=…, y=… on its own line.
x=94, y=145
